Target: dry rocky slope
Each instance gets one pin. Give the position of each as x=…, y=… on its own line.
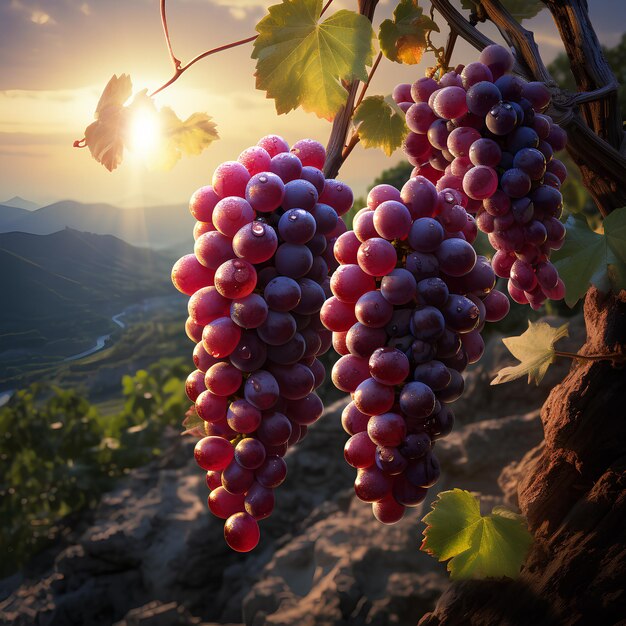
x=152, y=555
x=572, y=488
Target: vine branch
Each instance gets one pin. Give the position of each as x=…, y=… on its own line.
x=616, y=357
x=175, y=61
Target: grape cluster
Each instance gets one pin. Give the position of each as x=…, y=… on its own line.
x=410, y=298
x=258, y=278
x=480, y=130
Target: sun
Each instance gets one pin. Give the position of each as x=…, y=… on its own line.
x=144, y=132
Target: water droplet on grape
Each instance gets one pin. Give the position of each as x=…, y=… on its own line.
x=293, y=216
x=507, y=106
x=339, y=187
x=258, y=230
x=448, y=197
x=263, y=179
x=245, y=352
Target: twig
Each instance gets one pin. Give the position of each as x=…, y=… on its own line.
x=175, y=61
x=617, y=357
x=179, y=70
x=369, y=79
x=596, y=94
x=178, y=73
x=349, y=147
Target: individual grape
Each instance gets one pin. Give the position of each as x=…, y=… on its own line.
x=530, y=161
x=220, y=337
x=388, y=429
x=312, y=297
x=289, y=352
x=259, y=501
x=235, y=278
x=202, y=203
x=188, y=275
x=250, y=353
x=207, y=304
x=297, y=226
x=422, y=89
x=515, y=183
x=437, y=137
x=419, y=196
x=275, y=429
x=388, y=510
x=433, y=373
x=450, y=102
x=310, y=152
x=461, y=139
x=350, y=282
x=425, y=235
x=376, y=257
x=230, y=214
x=402, y=93
x=417, y=400
x=213, y=453
x=359, y=450
x=485, y=151
x=372, y=485
x=352, y=420
x=398, y=287
x=419, y=117
x=325, y=218
x=373, y=398
x=293, y=260
x=249, y=312
x=255, y=242
x=474, y=73
x=456, y=257
x=224, y=504
x=373, y=309
x=194, y=385
x=241, y=532
x=433, y=291
x=362, y=340
x=223, y=379
x=336, y=315
x=282, y=293
x=265, y=191
x=501, y=118
x=243, y=417
x=480, y=182
x=272, y=472
x=389, y=460
x=230, y=179
x=427, y=323
x=338, y=195
x=277, y=329
x=255, y=159
x=295, y=381
x=250, y=453
x=460, y=313
x=498, y=59
x=392, y=220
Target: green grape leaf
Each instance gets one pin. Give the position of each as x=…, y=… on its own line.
x=380, y=124
x=302, y=62
x=403, y=39
x=615, y=232
x=478, y=546
x=534, y=348
x=585, y=255
x=519, y=9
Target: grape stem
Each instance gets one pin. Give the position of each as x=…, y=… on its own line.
x=366, y=84
x=179, y=69
x=616, y=357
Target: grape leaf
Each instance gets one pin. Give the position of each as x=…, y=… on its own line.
x=110, y=134
x=479, y=546
x=534, y=348
x=105, y=136
x=192, y=423
x=586, y=255
x=380, y=124
x=403, y=39
x=302, y=62
x=519, y=9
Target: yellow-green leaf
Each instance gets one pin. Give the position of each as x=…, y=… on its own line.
x=403, y=39
x=478, y=546
x=302, y=62
x=380, y=124
x=193, y=425
x=170, y=137
x=534, y=349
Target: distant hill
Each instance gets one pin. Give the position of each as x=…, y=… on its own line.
x=155, y=227
x=20, y=203
x=59, y=290
x=10, y=214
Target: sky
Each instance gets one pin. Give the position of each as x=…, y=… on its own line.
x=57, y=55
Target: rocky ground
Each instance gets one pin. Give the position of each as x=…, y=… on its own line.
x=152, y=555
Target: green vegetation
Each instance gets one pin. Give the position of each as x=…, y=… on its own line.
x=58, y=453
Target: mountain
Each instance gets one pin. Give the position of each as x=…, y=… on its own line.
x=60, y=290
x=20, y=203
x=155, y=227
x=10, y=214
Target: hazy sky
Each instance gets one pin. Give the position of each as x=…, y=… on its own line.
x=57, y=55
